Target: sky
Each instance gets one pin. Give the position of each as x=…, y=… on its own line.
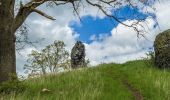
x=105, y=39
x=91, y=26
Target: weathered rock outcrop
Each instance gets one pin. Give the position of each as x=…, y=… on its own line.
x=78, y=55
x=162, y=49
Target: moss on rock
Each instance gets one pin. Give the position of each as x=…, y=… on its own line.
x=78, y=55
x=162, y=49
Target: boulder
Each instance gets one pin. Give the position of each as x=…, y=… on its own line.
x=78, y=55
x=162, y=49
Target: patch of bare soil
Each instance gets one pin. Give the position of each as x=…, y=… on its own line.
x=136, y=93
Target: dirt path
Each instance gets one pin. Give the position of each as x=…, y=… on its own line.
x=136, y=93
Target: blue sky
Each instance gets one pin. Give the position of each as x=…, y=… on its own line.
x=95, y=26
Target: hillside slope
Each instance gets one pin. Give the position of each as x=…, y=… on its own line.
x=136, y=80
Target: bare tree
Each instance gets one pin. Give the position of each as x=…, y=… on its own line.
x=10, y=22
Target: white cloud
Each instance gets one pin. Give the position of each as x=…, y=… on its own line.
x=122, y=45
x=163, y=14
x=21, y=58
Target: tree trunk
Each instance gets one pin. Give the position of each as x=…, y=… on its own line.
x=7, y=55
x=7, y=40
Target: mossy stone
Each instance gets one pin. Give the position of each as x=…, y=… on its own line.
x=162, y=49
x=78, y=55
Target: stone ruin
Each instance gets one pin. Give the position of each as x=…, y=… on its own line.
x=162, y=49
x=78, y=55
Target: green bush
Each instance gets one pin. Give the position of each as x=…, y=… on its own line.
x=150, y=58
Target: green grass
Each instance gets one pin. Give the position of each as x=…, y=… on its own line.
x=103, y=82
x=153, y=83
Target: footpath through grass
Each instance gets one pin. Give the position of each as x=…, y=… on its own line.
x=153, y=83
x=105, y=82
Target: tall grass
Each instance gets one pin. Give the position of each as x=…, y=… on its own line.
x=100, y=83
x=153, y=83
x=76, y=85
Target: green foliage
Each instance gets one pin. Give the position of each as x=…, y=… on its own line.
x=87, y=63
x=48, y=59
x=150, y=58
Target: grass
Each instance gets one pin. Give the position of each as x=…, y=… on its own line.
x=103, y=82
x=153, y=83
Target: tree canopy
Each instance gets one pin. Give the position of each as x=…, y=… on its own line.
x=48, y=59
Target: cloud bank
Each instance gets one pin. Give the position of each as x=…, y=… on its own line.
x=121, y=46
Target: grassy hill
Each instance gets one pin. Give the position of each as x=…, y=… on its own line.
x=135, y=80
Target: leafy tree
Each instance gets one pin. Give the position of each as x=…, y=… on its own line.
x=48, y=60
x=36, y=62
x=11, y=20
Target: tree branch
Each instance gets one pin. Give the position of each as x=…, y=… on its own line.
x=102, y=5
x=27, y=9
x=42, y=14
x=135, y=25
